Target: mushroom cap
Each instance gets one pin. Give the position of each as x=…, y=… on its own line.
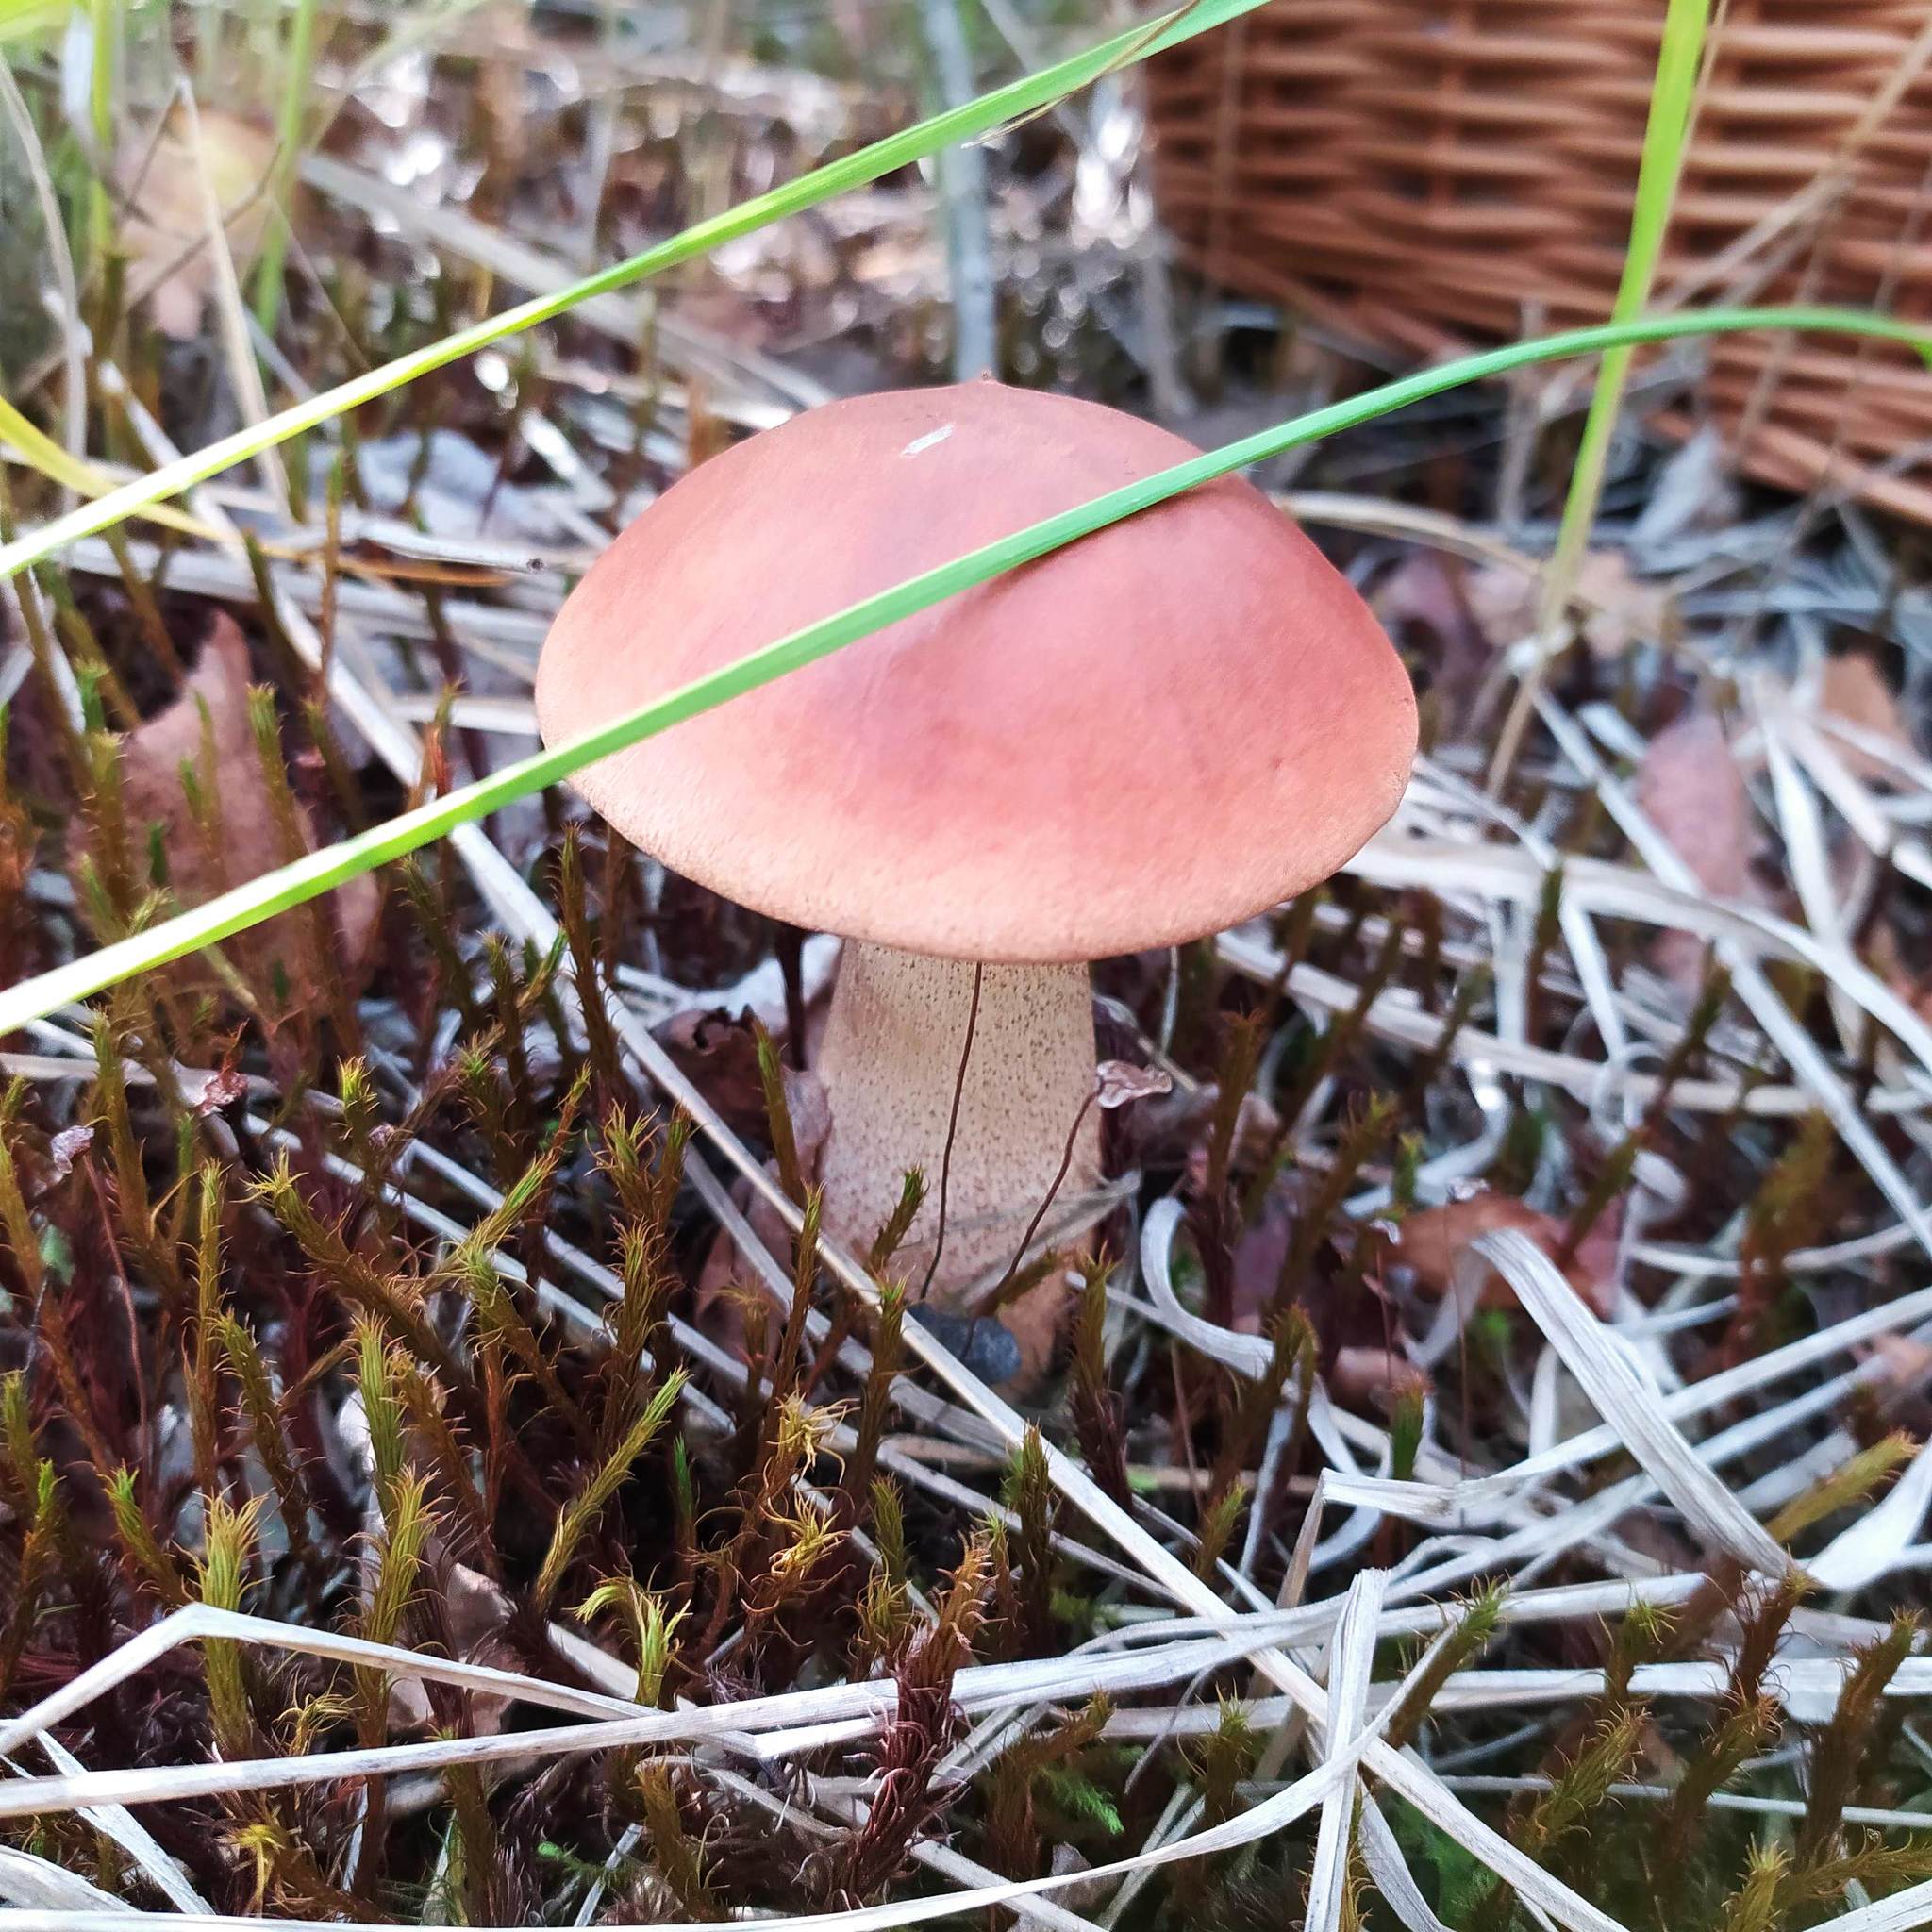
x=1146, y=736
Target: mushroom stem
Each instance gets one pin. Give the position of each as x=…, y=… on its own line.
x=890, y=1062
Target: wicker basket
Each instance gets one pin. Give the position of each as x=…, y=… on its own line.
x=1422, y=173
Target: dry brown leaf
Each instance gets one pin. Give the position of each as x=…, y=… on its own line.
x=718, y=1051
x=152, y=757
x=811, y=1108
x=1259, y=1253
x=1172, y=1129
x=475, y=1616
x=225, y=1086
x=164, y=229
x=1617, y=608
x=1885, y=952
x=1691, y=787
x=1368, y=1373
x=1424, y=603
x=1853, y=687
x=1432, y=1241
x=501, y=96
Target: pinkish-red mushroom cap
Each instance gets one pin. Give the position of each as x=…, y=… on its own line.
x=1144, y=736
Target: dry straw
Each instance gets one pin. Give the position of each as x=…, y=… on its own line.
x=1319, y=1657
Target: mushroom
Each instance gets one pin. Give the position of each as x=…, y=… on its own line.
x=1149, y=735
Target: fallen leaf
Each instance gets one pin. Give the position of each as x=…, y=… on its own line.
x=718, y=1052
x=715, y=1044
x=811, y=1108
x=1597, y=1252
x=501, y=76
x=1853, y=687
x=1691, y=788
x=165, y=230
x=475, y=1616
x=1424, y=604
x=1617, y=607
x=223, y=1088
x=1170, y=1129
x=1430, y=1241
x=152, y=757
x=1367, y=1372
x=1260, y=1251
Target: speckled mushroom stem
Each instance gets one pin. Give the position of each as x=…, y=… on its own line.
x=891, y=1060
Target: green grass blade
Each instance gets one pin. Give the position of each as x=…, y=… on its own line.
x=104, y=53
x=21, y=18
x=51, y=459
x=975, y=119
x=1672, y=96
x=318, y=873
x=298, y=56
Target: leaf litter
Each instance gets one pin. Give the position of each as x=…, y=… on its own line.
x=1516, y=1276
